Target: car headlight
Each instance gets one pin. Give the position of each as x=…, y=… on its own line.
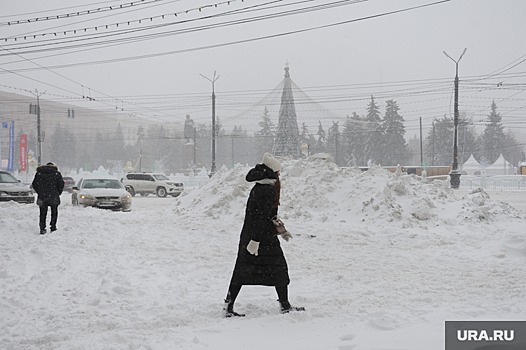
x=126, y=197
x=3, y=194
x=86, y=197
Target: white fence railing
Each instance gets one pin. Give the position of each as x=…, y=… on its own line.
x=498, y=182
x=502, y=183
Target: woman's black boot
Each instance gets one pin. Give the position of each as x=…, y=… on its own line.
x=286, y=307
x=229, y=310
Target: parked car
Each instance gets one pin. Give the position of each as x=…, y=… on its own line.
x=11, y=189
x=151, y=183
x=69, y=183
x=101, y=192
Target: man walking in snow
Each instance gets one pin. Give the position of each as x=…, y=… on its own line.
x=48, y=184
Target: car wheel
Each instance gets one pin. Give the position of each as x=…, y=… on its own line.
x=161, y=192
x=130, y=190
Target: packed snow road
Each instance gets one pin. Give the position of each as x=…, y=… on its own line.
x=379, y=261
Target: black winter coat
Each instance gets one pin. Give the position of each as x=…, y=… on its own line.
x=48, y=184
x=269, y=267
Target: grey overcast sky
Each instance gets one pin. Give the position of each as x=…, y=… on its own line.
x=339, y=53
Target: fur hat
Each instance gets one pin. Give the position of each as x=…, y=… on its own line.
x=271, y=162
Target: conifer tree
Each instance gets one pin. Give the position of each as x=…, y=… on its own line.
x=321, y=143
x=334, y=143
x=353, y=141
x=265, y=135
x=395, y=150
x=439, y=142
x=374, y=137
x=491, y=142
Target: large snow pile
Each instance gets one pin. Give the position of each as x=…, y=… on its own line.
x=317, y=190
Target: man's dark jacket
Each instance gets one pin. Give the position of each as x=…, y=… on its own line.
x=48, y=184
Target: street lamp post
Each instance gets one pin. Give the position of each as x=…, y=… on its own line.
x=213, y=80
x=35, y=109
x=454, y=174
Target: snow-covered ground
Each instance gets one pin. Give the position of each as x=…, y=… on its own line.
x=380, y=261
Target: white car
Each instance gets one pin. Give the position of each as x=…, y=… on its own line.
x=151, y=183
x=11, y=189
x=101, y=192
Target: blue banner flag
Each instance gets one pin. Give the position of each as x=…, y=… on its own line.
x=11, y=160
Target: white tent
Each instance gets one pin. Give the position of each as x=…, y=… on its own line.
x=471, y=166
x=500, y=167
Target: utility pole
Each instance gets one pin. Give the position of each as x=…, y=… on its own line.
x=433, y=146
x=421, y=147
x=36, y=110
x=454, y=174
x=195, y=139
x=232, y=149
x=140, y=160
x=213, y=80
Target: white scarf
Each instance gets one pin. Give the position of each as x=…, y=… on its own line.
x=266, y=182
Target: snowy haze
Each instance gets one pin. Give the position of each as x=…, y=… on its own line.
x=379, y=260
x=378, y=52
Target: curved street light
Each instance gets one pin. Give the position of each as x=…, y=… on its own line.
x=454, y=174
x=213, y=80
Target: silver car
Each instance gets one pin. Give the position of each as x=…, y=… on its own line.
x=101, y=192
x=151, y=183
x=11, y=189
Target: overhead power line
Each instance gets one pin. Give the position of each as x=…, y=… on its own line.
x=92, y=32
x=115, y=36
x=236, y=42
x=78, y=13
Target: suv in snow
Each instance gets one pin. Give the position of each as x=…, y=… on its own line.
x=146, y=183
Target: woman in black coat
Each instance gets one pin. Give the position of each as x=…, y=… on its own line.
x=260, y=260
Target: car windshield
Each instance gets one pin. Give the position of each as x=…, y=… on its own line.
x=7, y=178
x=101, y=183
x=161, y=177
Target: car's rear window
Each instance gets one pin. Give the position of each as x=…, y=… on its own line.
x=101, y=183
